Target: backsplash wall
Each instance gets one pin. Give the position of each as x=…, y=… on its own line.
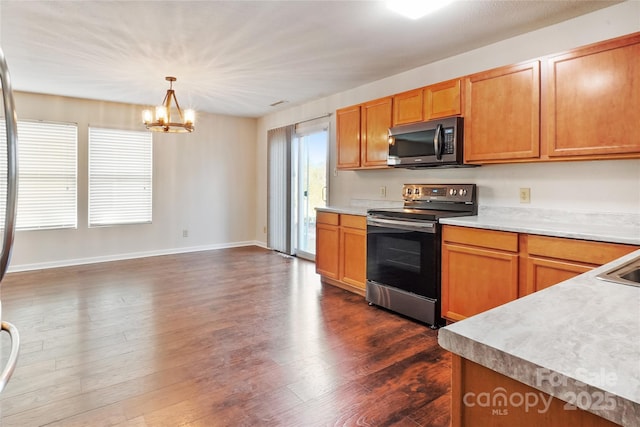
x=602, y=186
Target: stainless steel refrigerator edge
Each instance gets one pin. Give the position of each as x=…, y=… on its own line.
x=10, y=213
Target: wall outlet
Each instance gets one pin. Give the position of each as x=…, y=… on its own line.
x=264, y=229
x=525, y=195
x=185, y=233
x=383, y=191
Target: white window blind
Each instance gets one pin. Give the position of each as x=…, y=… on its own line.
x=120, y=165
x=47, y=174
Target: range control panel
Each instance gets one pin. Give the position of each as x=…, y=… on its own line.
x=460, y=193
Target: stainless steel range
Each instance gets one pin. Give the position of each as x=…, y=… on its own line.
x=403, y=248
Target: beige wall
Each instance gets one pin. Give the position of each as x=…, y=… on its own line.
x=202, y=182
x=612, y=186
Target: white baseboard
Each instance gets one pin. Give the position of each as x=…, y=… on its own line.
x=130, y=255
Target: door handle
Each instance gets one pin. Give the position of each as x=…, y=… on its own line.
x=437, y=142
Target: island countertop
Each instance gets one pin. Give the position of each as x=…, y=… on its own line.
x=580, y=337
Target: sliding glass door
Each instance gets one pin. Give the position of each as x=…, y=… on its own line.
x=309, y=186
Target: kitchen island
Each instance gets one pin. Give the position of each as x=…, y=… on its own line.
x=578, y=341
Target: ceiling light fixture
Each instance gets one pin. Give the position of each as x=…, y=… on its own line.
x=163, y=121
x=415, y=9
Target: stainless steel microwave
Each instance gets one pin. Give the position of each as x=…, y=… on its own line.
x=435, y=143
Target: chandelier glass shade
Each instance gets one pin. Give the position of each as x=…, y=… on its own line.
x=162, y=120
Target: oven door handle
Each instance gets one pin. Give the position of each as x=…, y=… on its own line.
x=421, y=227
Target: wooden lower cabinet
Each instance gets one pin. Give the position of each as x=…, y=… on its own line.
x=542, y=273
x=327, y=244
x=482, y=269
x=353, y=261
x=476, y=393
x=341, y=250
x=547, y=261
x=479, y=270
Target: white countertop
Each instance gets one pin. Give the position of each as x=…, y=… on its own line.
x=614, y=228
x=581, y=336
x=600, y=227
x=347, y=210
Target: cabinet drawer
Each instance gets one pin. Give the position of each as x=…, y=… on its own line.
x=502, y=240
x=327, y=218
x=596, y=253
x=354, y=221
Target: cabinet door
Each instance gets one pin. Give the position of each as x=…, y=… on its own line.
x=327, y=247
x=353, y=262
x=502, y=114
x=407, y=107
x=442, y=100
x=348, y=137
x=476, y=279
x=593, y=103
x=376, y=121
x=542, y=273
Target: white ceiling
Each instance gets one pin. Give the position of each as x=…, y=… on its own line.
x=238, y=57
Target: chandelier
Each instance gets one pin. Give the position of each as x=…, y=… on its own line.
x=162, y=122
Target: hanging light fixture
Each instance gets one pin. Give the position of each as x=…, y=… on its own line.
x=163, y=121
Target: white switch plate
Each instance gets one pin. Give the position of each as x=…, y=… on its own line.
x=383, y=191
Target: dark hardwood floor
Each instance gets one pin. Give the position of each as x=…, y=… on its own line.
x=234, y=337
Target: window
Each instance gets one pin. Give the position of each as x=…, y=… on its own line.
x=120, y=165
x=47, y=174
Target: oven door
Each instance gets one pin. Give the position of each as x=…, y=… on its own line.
x=404, y=255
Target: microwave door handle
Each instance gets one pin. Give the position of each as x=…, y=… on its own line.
x=437, y=142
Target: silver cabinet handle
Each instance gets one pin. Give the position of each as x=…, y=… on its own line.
x=13, y=357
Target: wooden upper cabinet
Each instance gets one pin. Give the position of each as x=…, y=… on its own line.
x=443, y=99
x=593, y=100
x=407, y=107
x=348, y=137
x=430, y=102
x=376, y=121
x=502, y=114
